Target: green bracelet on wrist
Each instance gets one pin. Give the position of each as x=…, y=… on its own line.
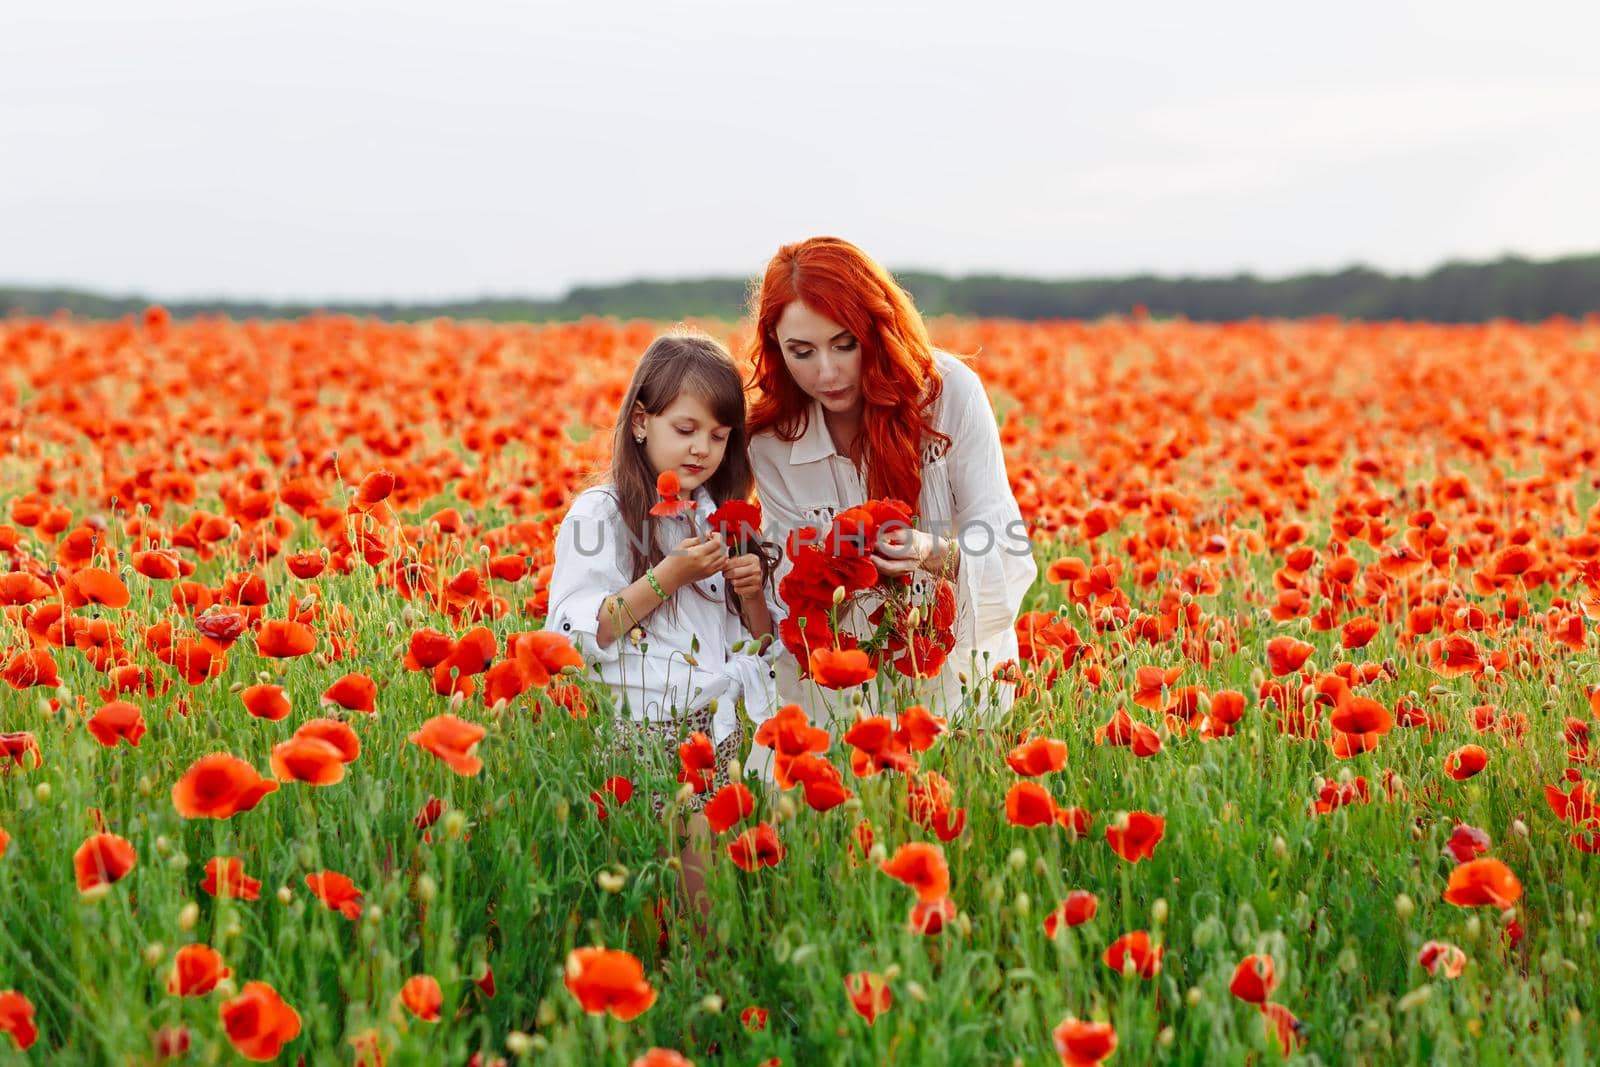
x=650, y=576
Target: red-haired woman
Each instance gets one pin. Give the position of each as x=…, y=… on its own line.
x=852, y=402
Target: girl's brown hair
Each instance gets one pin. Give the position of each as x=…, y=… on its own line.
x=681, y=360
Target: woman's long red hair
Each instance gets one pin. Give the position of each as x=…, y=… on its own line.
x=837, y=280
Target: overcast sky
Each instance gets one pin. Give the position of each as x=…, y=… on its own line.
x=341, y=149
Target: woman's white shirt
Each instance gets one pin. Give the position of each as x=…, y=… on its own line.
x=653, y=679
x=966, y=494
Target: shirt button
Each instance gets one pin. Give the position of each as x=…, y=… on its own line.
x=713, y=587
x=566, y=626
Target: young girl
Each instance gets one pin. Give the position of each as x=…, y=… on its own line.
x=656, y=602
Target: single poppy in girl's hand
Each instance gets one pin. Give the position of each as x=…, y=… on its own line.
x=670, y=489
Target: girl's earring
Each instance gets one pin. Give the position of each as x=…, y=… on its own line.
x=638, y=438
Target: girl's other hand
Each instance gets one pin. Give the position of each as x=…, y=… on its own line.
x=744, y=574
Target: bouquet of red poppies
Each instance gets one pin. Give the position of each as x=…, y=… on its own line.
x=833, y=583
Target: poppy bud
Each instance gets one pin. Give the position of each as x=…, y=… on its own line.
x=154, y=953
x=285, y=894
x=1519, y=827
x=1023, y=904
x=1416, y=997
x=1194, y=996
x=838, y=595
x=41, y=792
x=1016, y=859
x=188, y=915
x=711, y=1004
x=611, y=883
x=1158, y=911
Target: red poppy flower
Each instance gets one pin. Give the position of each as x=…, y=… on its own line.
x=841, y=669
x=265, y=702
x=1042, y=755
x=1134, y=951
x=1079, y=907
x=285, y=639
x=1466, y=842
x=929, y=917
x=824, y=786
x=196, y=970
x=921, y=866
x=1135, y=837
x=1285, y=655
x=337, y=893
x=19, y=751
x=422, y=997
x=102, y=859
x=1483, y=882
x=756, y=847
x=453, y=741
x=225, y=877
x=93, y=585
x=608, y=980
x=1437, y=956
x=670, y=490
x=869, y=994
x=258, y=1022
x=117, y=721
x=219, y=786
x=1254, y=979
x=16, y=1019
x=1083, y=1044
x=698, y=758
x=731, y=804
x=1465, y=762
x=353, y=692
x=308, y=759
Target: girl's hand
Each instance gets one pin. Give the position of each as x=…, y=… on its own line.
x=744, y=574
x=901, y=550
x=693, y=559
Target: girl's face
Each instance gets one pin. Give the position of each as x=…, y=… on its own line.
x=823, y=357
x=685, y=437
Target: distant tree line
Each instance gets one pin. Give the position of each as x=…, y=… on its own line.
x=1511, y=287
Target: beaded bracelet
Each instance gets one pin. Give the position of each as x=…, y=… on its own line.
x=650, y=576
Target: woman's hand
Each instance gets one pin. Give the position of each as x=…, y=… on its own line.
x=744, y=574
x=901, y=550
x=693, y=559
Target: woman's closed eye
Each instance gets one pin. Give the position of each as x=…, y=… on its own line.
x=802, y=353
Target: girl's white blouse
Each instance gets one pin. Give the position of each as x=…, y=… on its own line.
x=965, y=493
x=653, y=679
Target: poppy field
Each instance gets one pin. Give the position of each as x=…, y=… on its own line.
x=1299, y=767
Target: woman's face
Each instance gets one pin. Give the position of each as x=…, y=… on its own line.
x=823, y=357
